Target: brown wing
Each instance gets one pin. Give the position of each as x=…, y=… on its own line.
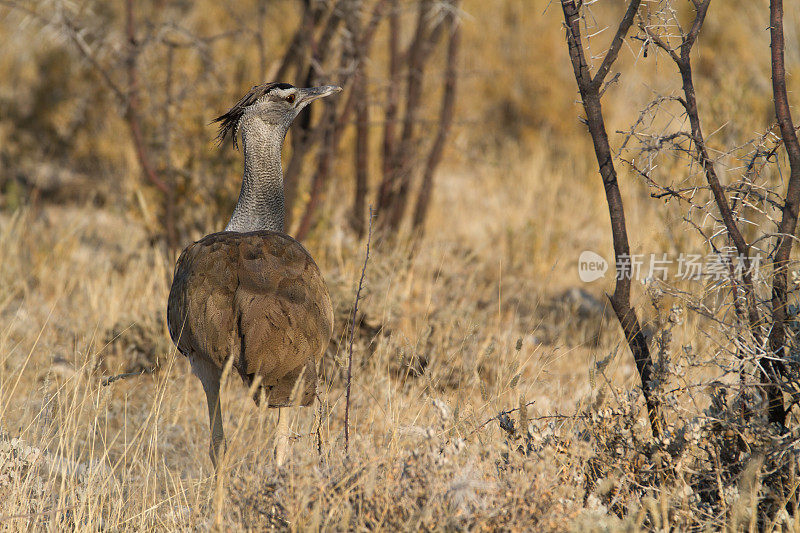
x=259, y=298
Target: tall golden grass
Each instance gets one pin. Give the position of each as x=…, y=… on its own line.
x=478, y=321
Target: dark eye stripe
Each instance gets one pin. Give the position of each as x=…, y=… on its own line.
x=230, y=120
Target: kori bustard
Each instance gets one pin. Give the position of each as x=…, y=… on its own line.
x=252, y=295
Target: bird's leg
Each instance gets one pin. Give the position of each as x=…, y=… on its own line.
x=215, y=421
x=210, y=375
x=282, y=436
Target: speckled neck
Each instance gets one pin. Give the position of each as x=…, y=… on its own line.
x=261, y=200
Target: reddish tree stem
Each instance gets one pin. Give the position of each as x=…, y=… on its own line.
x=590, y=94
x=403, y=155
x=134, y=124
x=390, y=114
x=788, y=224
x=445, y=121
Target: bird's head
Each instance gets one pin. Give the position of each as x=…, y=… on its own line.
x=272, y=104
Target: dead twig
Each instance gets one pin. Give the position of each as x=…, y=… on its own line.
x=498, y=416
x=111, y=379
x=352, y=337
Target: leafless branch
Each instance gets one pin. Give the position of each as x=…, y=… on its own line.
x=352, y=337
x=445, y=120
x=788, y=223
x=134, y=123
x=616, y=44
x=620, y=300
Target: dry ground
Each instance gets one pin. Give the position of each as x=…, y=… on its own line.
x=487, y=316
x=475, y=323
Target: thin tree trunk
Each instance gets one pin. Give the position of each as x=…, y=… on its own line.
x=445, y=121
x=317, y=183
x=398, y=196
x=362, y=143
x=364, y=43
x=590, y=94
x=132, y=118
x=302, y=137
x=312, y=16
x=361, y=164
x=777, y=338
x=390, y=117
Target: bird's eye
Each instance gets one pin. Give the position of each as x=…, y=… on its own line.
x=290, y=98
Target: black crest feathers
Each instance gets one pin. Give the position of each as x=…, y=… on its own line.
x=229, y=122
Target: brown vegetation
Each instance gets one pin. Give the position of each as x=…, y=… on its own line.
x=491, y=388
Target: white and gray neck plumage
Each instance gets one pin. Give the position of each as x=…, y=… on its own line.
x=261, y=200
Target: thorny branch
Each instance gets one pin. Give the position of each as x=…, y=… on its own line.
x=352, y=337
x=788, y=224
x=616, y=44
x=128, y=98
x=772, y=366
x=501, y=414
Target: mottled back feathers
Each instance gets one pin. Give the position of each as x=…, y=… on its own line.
x=258, y=298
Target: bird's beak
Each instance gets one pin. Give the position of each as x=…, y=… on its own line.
x=312, y=93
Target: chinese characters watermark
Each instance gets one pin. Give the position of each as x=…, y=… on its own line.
x=684, y=267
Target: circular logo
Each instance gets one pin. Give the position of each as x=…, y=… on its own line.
x=591, y=266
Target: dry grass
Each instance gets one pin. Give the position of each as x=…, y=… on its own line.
x=485, y=317
x=448, y=339
x=475, y=324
